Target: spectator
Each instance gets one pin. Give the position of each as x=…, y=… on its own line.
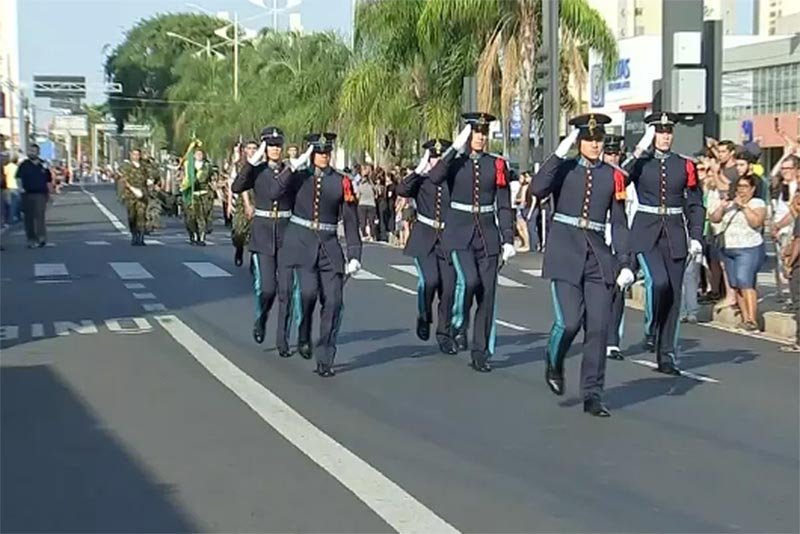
x=724, y=151
x=366, y=204
x=11, y=198
x=782, y=190
x=37, y=186
x=383, y=211
x=717, y=286
x=518, y=192
x=743, y=251
x=691, y=276
x=791, y=262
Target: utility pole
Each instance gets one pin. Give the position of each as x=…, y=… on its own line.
x=235, y=56
x=548, y=75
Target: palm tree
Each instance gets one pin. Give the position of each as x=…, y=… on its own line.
x=509, y=33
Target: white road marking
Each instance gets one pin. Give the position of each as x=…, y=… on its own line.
x=130, y=270
x=98, y=243
x=409, y=269
x=206, y=269
x=144, y=296
x=105, y=211
x=49, y=269
x=366, y=275
x=63, y=328
x=37, y=330
x=9, y=333
x=687, y=374
x=508, y=282
x=401, y=288
x=134, y=285
x=154, y=307
x=397, y=507
x=58, y=281
x=533, y=272
x=512, y=326
x=128, y=325
x=152, y=242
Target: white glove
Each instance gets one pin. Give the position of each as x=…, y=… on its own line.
x=695, y=248
x=461, y=139
x=566, y=144
x=150, y=181
x=352, y=267
x=256, y=159
x=647, y=139
x=508, y=252
x=625, y=278
x=136, y=191
x=302, y=160
x=423, y=162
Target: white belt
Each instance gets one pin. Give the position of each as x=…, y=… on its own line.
x=471, y=208
x=200, y=192
x=313, y=225
x=659, y=210
x=271, y=214
x=439, y=225
x=579, y=222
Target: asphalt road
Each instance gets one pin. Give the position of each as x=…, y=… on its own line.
x=134, y=399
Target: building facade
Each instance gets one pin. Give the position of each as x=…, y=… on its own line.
x=10, y=91
x=771, y=13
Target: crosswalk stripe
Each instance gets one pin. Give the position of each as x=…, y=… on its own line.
x=98, y=243
x=144, y=296
x=410, y=269
x=134, y=285
x=49, y=269
x=153, y=307
x=366, y=275
x=152, y=242
x=206, y=269
x=507, y=282
x=533, y=272
x=130, y=270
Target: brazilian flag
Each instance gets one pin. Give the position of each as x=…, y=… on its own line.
x=190, y=173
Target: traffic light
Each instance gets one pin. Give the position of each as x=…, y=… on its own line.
x=542, y=70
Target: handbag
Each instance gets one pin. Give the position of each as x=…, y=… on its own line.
x=718, y=240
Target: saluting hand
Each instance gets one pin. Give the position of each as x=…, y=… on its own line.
x=256, y=159
x=566, y=144
x=461, y=139
x=302, y=160
x=423, y=162
x=646, y=140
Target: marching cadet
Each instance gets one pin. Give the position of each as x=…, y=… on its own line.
x=271, y=218
x=311, y=248
x=154, y=206
x=135, y=193
x=612, y=155
x=435, y=273
x=580, y=265
x=198, y=198
x=480, y=198
x=239, y=205
x=670, y=203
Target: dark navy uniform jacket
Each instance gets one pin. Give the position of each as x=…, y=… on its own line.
x=585, y=191
x=433, y=201
x=266, y=233
x=320, y=195
x=476, y=180
x=666, y=180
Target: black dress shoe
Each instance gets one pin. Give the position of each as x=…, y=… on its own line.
x=325, y=370
x=304, y=349
x=554, y=376
x=141, y=240
x=667, y=366
x=285, y=353
x=237, y=257
x=461, y=340
x=258, y=330
x=650, y=343
x=446, y=344
x=134, y=239
x=615, y=354
x=594, y=406
x=423, y=329
x=481, y=366
x=201, y=243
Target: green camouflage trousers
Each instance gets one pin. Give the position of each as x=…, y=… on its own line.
x=240, y=232
x=153, y=215
x=137, y=214
x=198, y=214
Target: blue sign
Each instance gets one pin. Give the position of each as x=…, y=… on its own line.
x=515, y=125
x=622, y=77
x=747, y=129
x=597, y=86
x=47, y=150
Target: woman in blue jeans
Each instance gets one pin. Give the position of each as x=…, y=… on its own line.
x=742, y=221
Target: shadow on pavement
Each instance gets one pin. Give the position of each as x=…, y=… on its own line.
x=63, y=472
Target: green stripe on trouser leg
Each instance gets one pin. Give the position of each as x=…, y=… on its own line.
x=557, y=331
x=461, y=288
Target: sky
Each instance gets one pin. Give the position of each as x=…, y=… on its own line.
x=68, y=37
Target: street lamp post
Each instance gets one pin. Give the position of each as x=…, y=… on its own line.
x=275, y=10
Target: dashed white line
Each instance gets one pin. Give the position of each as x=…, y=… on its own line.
x=134, y=285
x=502, y=281
x=512, y=326
x=130, y=270
x=49, y=269
x=363, y=274
x=205, y=269
x=401, y=288
x=154, y=307
x=144, y=296
x=687, y=374
x=98, y=243
x=393, y=504
x=105, y=211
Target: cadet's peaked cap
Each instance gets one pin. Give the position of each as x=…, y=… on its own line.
x=272, y=135
x=612, y=144
x=478, y=119
x=322, y=142
x=662, y=118
x=590, y=123
x=437, y=146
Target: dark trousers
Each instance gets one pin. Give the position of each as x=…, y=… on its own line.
x=716, y=281
x=476, y=278
x=617, y=322
x=794, y=288
x=321, y=280
x=435, y=276
x=663, y=282
x=268, y=278
x=587, y=305
x=367, y=216
x=34, y=206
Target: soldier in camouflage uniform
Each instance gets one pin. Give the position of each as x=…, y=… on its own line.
x=242, y=204
x=200, y=199
x=154, y=206
x=134, y=178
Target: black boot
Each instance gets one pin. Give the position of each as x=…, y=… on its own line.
x=134, y=238
x=304, y=349
x=192, y=238
x=480, y=364
x=423, y=329
x=615, y=354
x=461, y=340
x=237, y=257
x=554, y=375
x=201, y=239
x=594, y=406
x=141, y=239
x=259, y=327
x=284, y=352
x=650, y=343
x=325, y=370
x=667, y=364
x=446, y=344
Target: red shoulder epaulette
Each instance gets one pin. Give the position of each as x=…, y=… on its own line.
x=500, y=172
x=347, y=188
x=691, y=174
x=619, y=185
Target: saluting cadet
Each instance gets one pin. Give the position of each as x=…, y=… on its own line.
x=613, y=155
x=580, y=265
x=135, y=193
x=670, y=203
x=435, y=273
x=272, y=212
x=311, y=248
x=480, y=198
